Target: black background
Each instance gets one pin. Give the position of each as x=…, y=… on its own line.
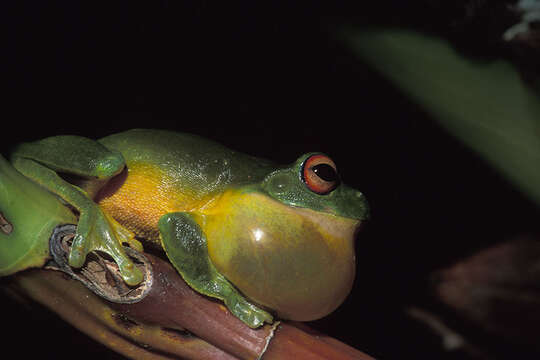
x=270, y=79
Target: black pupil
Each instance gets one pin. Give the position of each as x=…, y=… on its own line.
x=325, y=172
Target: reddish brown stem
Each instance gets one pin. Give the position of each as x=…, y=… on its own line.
x=174, y=321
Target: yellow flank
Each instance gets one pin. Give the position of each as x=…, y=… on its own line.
x=146, y=195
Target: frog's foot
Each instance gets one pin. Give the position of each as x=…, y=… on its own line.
x=99, y=231
x=250, y=314
x=185, y=245
x=124, y=235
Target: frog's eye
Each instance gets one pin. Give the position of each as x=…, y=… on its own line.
x=319, y=173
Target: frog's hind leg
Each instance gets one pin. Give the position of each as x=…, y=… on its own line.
x=74, y=155
x=185, y=245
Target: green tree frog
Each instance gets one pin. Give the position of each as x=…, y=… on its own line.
x=265, y=239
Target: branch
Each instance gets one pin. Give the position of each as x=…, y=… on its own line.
x=171, y=320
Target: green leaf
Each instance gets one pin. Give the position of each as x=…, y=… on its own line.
x=485, y=104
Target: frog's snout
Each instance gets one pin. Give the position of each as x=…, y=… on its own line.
x=351, y=204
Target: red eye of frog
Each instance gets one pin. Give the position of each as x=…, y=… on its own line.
x=320, y=175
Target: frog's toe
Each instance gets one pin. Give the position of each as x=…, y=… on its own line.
x=77, y=255
x=134, y=244
x=123, y=235
x=258, y=317
x=250, y=314
x=131, y=274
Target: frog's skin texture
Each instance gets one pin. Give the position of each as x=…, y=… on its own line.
x=283, y=235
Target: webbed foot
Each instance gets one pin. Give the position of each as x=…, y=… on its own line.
x=99, y=231
x=250, y=314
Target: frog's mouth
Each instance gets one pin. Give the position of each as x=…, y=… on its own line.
x=333, y=225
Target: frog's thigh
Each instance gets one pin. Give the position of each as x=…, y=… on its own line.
x=73, y=154
x=185, y=245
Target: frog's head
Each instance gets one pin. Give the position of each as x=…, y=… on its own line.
x=313, y=182
x=288, y=243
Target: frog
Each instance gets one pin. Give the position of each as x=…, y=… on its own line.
x=266, y=240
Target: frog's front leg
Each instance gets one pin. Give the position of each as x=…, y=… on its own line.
x=40, y=161
x=185, y=245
